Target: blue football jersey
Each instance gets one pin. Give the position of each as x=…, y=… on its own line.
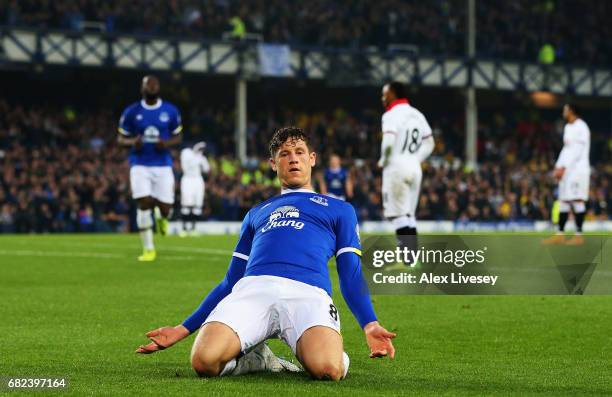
x=336, y=182
x=156, y=122
x=295, y=234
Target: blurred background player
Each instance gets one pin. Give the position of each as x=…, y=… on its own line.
x=150, y=127
x=407, y=141
x=336, y=181
x=193, y=164
x=573, y=171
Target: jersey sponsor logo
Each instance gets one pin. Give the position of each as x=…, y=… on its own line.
x=139, y=117
x=319, y=200
x=164, y=117
x=151, y=135
x=285, y=216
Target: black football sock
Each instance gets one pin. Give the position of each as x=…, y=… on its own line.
x=407, y=237
x=186, y=218
x=563, y=220
x=579, y=218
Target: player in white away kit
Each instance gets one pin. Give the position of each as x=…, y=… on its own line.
x=193, y=164
x=407, y=141
x=573, y=171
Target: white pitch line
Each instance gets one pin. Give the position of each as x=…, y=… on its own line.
x=60, y=254
x=177, y=258
x=195, y=250
x=91, y=255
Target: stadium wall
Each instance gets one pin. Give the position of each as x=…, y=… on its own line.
x=374, y=227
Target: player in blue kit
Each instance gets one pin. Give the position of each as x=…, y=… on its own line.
x=150, y=127
x=336, y=181
x=278, y=285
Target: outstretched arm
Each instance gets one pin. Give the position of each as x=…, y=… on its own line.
x=234, y=273
x=355, y=292
x=164, y=337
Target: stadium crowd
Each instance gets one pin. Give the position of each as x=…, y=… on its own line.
x=516, y=29
x=61, y=170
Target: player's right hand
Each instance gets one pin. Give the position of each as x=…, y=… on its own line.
x=162, y=338
x=138, y=142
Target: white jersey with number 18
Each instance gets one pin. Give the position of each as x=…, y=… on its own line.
x=409, y=128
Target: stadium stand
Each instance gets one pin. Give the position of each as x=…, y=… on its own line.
x=511, y=30
x=84, y=186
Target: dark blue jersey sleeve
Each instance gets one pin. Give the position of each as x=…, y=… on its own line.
x=234, y=273
x=348, y=261
x=347, y=231
x=354, y=288
x=126, y=122
x=176, y=125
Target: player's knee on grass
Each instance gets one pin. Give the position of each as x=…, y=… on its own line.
x=216, y=344
x=321, y=352
x=206, y=365
x=208, y=362
x=326, y=369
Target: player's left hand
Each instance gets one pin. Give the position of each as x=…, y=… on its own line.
x=379, y=340
x=558, y=173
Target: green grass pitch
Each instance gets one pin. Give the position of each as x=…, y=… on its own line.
x=78, y=306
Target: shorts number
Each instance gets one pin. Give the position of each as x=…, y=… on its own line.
x=415, y=141
x=333, y=312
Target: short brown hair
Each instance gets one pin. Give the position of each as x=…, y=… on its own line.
x=284, y=134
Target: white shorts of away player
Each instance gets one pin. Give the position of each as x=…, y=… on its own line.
x=264, y=307
x=192, y=191
x=157, y=182
x=401, y=185
x=574, y=186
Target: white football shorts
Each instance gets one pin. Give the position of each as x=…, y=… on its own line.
x=192, y=192
x=401, y=185
x=264, y=307
x=157, y=182
x=574, y=186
